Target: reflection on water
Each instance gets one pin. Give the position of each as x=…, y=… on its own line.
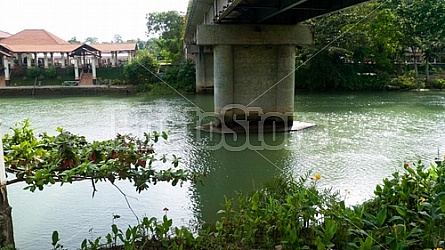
x=359, y=139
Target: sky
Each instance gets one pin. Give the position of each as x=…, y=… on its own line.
x=84, y=18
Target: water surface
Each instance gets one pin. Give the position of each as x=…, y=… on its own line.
x=359, y=139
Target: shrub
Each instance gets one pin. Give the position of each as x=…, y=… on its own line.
x=17, y=71
x=142, y=70
x=437, y=84
x=182, y=77
x=33, y=72
x=50, y=72
x=407, y=212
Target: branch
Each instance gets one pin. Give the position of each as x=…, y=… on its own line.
x=126, y=200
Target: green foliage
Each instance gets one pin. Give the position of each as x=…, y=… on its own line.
x=40, y=160
x=73, y=40
x=33, y=72
x=182, y=77
x=168, y=27
x=113, y=76
x=55, y=241
x=379, y=33
x=142, y=69
x=408, y=81
x=437, y=84
x=336, y=74
x=407, y=212
x=50, y=72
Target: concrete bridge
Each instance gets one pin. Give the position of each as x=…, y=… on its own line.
x=245, y=51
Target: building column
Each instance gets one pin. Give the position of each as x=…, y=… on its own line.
x=93, y=70
x=76, y=69
x=130, y=56
x=113, y=60
x=6, y=67
x=63, y=59
x=28, y=60
x=20, y=59
x=36, y=60
x=45, y=58
x=52, y=59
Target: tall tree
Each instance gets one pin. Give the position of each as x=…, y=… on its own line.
x=90, y=40
x=118, y=38
x=421, y=23
x=73, y=40
x=168, y=28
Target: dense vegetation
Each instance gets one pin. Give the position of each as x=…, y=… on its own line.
x=392, y=39
x=407, y=212
x=51, y=76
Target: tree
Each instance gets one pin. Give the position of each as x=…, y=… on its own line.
x=41, y=160
x=142, y=69
x=168, y=28
x=73, y=40
x=90, y=40
x=421, y=24
x=118, y=38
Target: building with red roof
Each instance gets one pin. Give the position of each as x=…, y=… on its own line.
x=40, y=48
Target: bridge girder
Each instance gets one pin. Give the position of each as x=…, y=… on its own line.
x=283, y=12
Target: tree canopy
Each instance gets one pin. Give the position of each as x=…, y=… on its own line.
x=166, y=29
x=381, y=34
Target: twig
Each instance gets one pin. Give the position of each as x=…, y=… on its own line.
x=126, y=200
x=94, y=187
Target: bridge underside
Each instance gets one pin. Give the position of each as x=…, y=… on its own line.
x=278, y=12
x=259, y=11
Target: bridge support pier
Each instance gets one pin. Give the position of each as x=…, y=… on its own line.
x=204, y=68
x=253, y=71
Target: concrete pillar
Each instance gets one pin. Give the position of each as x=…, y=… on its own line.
x=253, y=70
x=204, y=67
x=52, y=59
x=45, y=58
x=224, y=85
x=76, y=69
x=63, y=60
x=20, y=59
x=130, y=56
x=36, y=60
x=93, y=69
x=6, y=67
x=28, y=60
x=113, y=60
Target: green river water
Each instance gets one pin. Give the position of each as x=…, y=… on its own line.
x=359, y=139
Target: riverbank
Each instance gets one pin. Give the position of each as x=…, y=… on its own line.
x=95, y=90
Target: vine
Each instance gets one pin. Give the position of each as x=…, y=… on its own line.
x=42, y=159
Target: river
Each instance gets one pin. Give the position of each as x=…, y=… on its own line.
x=359, y=139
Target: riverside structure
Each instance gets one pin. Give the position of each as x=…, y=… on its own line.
x=245, y=51
x=40, y=48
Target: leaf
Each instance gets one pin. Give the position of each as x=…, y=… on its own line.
x=381, y=217
x=55, y=238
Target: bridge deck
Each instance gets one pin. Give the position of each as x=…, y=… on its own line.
x=260, y=11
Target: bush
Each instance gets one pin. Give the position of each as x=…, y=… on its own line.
x=142, y=70
x=407, y=212
x=182, y=77
x=50, y=72
x=437, y=84
x=33, y=72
